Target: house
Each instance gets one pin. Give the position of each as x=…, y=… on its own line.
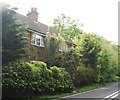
x=36, y=38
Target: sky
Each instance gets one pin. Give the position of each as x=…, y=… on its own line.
x=97, y=16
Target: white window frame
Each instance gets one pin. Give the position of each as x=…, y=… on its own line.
x=37, y=40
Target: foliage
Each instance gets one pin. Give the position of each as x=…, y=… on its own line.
x=61, y=79
x=39, y=64
x=67, y=26
x=96, y=61
x=108, y=60
x=84, y=76
x=100, y=55
x=25, y=78
x=13, y=37
x=76, y=90
x=85, y=54
x=52, y=43
x=69, y=60
x=89, y=48
x=111, y=48
x=107, y=68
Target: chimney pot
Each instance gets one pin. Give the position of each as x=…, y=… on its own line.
x=33, y=9
x=33, y=14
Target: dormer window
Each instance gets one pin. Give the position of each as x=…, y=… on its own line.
x=38, y=40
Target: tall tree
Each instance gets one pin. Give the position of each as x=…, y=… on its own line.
x=13, y=36
x=88, y=46
x=111, y=48
x=67, y=26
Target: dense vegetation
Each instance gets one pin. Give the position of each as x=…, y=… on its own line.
x=93, y=60
x=27, y=79
x=13, y=37
x=88, y=62
x=67, y=26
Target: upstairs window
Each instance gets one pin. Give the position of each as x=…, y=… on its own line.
x=38, y=40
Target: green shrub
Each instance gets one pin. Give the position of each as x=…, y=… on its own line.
x=39, y=63
x=61, y=79
x=22, y=78
x=107, y=69
x=45, y=76
x=84, y=76
x=69, y=60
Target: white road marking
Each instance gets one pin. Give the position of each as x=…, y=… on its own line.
x=113, y=95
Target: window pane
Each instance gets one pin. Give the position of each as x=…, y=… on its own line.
x=38, y=41
x=33, y=39
x=42, y=42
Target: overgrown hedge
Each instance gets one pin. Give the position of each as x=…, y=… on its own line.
x=84, y=76
x=22, y=78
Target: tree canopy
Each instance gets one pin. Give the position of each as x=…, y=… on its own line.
x=13, y=36
x=67, y=26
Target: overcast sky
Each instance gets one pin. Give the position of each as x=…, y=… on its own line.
x=98, y=16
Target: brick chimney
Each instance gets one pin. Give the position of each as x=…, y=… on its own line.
x=33, y=15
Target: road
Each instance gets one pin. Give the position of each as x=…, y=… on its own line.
x=109, y=92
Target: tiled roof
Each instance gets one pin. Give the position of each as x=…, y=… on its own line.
x=36, y=26
x=39, y=27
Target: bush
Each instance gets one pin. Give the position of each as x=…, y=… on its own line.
x=21, y=79
x=108, y=69
x=69, y=60
x=45, y=76
x=61, y=80
x=84, y=76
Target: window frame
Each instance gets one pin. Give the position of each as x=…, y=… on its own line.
x=37, y=37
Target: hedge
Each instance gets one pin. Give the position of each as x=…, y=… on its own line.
x=84, y=75
x=22, y=78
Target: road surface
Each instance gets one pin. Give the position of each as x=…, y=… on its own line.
x=109, y=92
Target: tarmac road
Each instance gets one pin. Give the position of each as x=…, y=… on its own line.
x=109, y=92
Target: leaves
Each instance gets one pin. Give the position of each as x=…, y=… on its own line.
x=36, y=77
x=89, y=48
x=13, y=37
x=67, y=26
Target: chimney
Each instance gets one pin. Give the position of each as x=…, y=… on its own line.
x=33, y=15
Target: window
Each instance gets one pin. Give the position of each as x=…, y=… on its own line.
x=38, y=40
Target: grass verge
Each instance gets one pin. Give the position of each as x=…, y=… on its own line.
x=76, y=90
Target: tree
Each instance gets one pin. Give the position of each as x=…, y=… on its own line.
x=54, y=45
x=111, y=48
x=69, y=60
x=13, y=37
x=107, y=68
x=67, y=26
x=88, y=46
x=104, y=65
x=108, y=60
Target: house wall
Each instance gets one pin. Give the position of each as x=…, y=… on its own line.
x=40, y=53
x=35, y=52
